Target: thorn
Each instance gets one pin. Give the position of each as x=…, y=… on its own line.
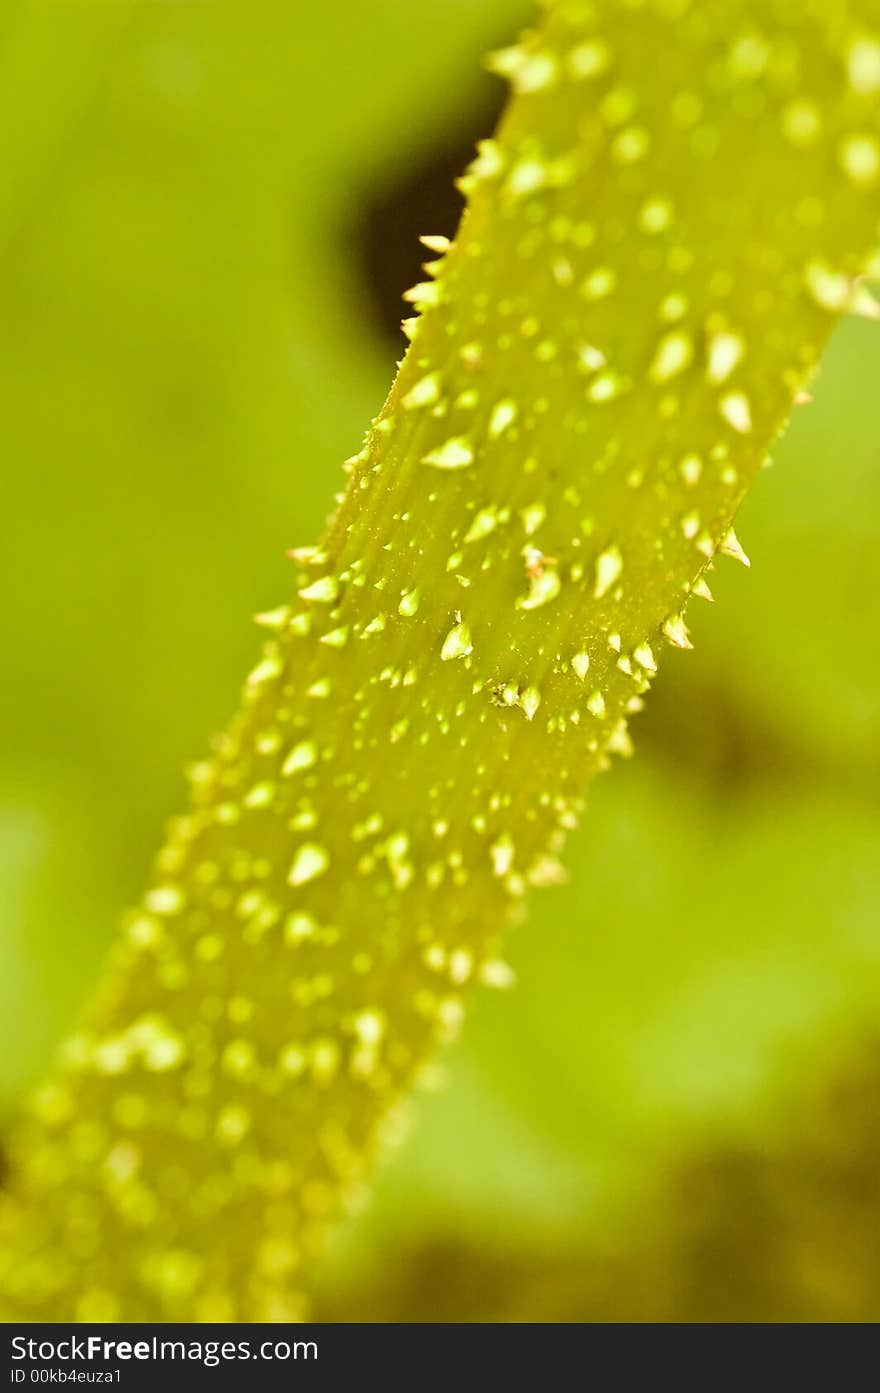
x=266, y=671
x=306, y=556
x=863, y=305
x=422, y=295
x=436, y=244
x=581, y=664
x=547, y=871
x=620, y=743
x=273, y=618
x=730, y=546
x=676, y=631
x=702, y=590
x=496, y=973
x=504, y=61
x=409, y=327
x=644, y=656
x=472, y=356
x=803, y=399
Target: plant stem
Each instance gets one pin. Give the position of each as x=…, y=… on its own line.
x=677, y=207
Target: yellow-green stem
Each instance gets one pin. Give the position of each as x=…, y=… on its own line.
x=678, y=204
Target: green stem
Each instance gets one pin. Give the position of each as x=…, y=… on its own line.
x=676, y=208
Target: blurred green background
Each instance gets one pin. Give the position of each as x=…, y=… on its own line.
x=207, y=214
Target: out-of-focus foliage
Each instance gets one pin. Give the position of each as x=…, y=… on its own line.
x=184, y=359
x=781, y=1228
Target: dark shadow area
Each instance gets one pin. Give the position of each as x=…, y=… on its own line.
x=723, y=743
x=782, y=1231
x=422, y=200
x=713, y=734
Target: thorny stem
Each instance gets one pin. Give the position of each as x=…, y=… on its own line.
x=679, y=203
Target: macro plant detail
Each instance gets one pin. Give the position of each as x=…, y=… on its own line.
x=677, y=207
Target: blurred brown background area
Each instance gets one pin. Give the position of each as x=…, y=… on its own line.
x=208, y=214
x=732, y=1232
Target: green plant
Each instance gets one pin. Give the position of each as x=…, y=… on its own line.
x=678, y=205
